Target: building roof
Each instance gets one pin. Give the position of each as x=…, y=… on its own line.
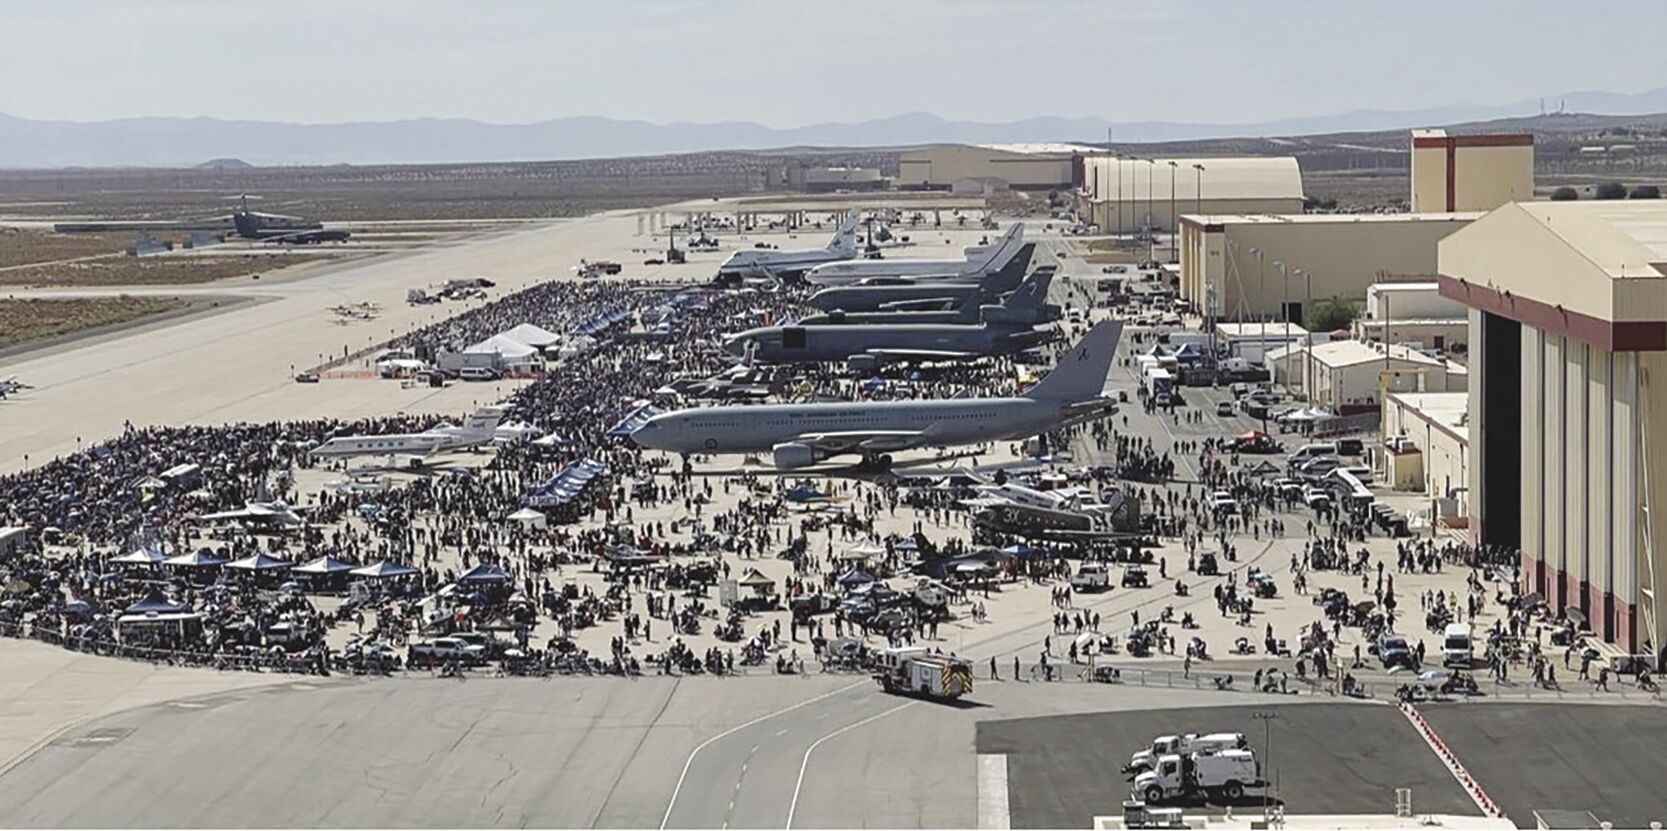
x=1272, y=329
x=1446, y=410
x=1324, y=219
x=1042, y=148
x=1622, y=238
x=1249, y=177
x=1343, y=353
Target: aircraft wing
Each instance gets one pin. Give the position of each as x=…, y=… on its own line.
x=240, y=513
x=865, y=440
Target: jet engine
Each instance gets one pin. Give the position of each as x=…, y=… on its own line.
x=790, y=455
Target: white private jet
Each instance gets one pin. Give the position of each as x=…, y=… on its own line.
x=479, y=429
x=979, y=261
x=770, y=262
x=260, y=514
x=800, y=435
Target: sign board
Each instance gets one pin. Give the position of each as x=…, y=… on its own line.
x=727, y=591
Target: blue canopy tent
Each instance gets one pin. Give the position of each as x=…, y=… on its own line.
x=155, y=602
x=486, y=573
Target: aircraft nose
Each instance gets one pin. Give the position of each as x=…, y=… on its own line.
x=736, y=346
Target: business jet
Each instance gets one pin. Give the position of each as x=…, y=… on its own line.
x=801, y=435
x=413, y=449
x=978, y=263
x=769, y=262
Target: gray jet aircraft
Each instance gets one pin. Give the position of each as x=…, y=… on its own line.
x=1027, y=306
x=875, y=297
x=800, y=435
x=864, y=348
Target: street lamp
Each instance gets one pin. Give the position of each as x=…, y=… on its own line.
x=1307, y=338
x=1285, y=311
x=1151, y=241
x=1174, y=231
x=1198, y=192
x=1266, y=717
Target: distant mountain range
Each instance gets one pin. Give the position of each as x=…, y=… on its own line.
x=171, y=142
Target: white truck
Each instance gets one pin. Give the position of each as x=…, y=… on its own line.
x=914, y=670
x=1207, y=744
x=1160, y=385
x=1091, y=577
x=1457, y=647
x=1225, y=775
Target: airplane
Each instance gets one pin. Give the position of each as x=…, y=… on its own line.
x=864, y=348
x=269, y=515
x=279, y=228
x=895, y=295
x=1059, y=515
x=978, y=262
x=1025, y=306
x=770, y=262
x=415, y=448
x=799, y=435
x=12, y=385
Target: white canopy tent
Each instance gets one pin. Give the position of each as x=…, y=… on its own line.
x=531, y=335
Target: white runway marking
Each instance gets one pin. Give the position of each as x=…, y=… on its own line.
x=800, y=783
x=993, y=810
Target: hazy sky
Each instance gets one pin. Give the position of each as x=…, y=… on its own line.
x=787, y=62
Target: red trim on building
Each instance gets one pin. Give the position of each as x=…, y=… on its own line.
x=1614, y=336
x=1475, y=140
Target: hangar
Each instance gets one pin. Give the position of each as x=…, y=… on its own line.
x=1235, y=261
x=1025, y=166
x=1123, y=194
x=1567, y=305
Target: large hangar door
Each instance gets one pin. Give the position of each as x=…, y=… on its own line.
x=1501, y=450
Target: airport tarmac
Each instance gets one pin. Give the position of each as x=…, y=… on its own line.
x=816, y=752
x=1562, y=757
x=1328, y=758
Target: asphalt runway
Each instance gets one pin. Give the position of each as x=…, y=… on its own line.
x=1537, y=757
x=1328, y=759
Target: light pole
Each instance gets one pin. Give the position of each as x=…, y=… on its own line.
x=1118, y=159
x=1307, y=391
x=1261, y=283
x=1198, y=191
x=1151, y=241
x=1266, y=717
x=1285, y=311
x=1174, y=230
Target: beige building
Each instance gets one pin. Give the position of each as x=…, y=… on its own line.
x=1230, y=260
x=1029, y=166
x=1427, y=446
x=1477, y=172
x=1124, y=195
x=1568, y=329
x=1413, y=314
x=1350, y=376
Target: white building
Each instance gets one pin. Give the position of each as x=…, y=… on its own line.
x=1415, y=315
x=1350, y=376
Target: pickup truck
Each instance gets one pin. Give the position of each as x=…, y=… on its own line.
x=444, y=651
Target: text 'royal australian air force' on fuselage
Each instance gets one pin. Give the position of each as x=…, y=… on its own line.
x=770, y=262
x=800, y=435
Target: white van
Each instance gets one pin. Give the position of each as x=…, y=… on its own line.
x=477, y=373
x=1314, y=451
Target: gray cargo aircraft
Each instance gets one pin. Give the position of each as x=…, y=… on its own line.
x=978, y=263
x=1026, y=306
x=870, y=298
x=800, y=435
x=864, y=348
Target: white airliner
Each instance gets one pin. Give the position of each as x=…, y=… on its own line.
x=769, y=262
x=800, y=435
x=479, y=429
x=979, y=262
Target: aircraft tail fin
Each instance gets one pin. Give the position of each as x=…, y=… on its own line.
x=1080, y=374
x=1007, y=278
x=1002, y=250
x=844, y=240
x=1027, y=304
x=483, y=423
